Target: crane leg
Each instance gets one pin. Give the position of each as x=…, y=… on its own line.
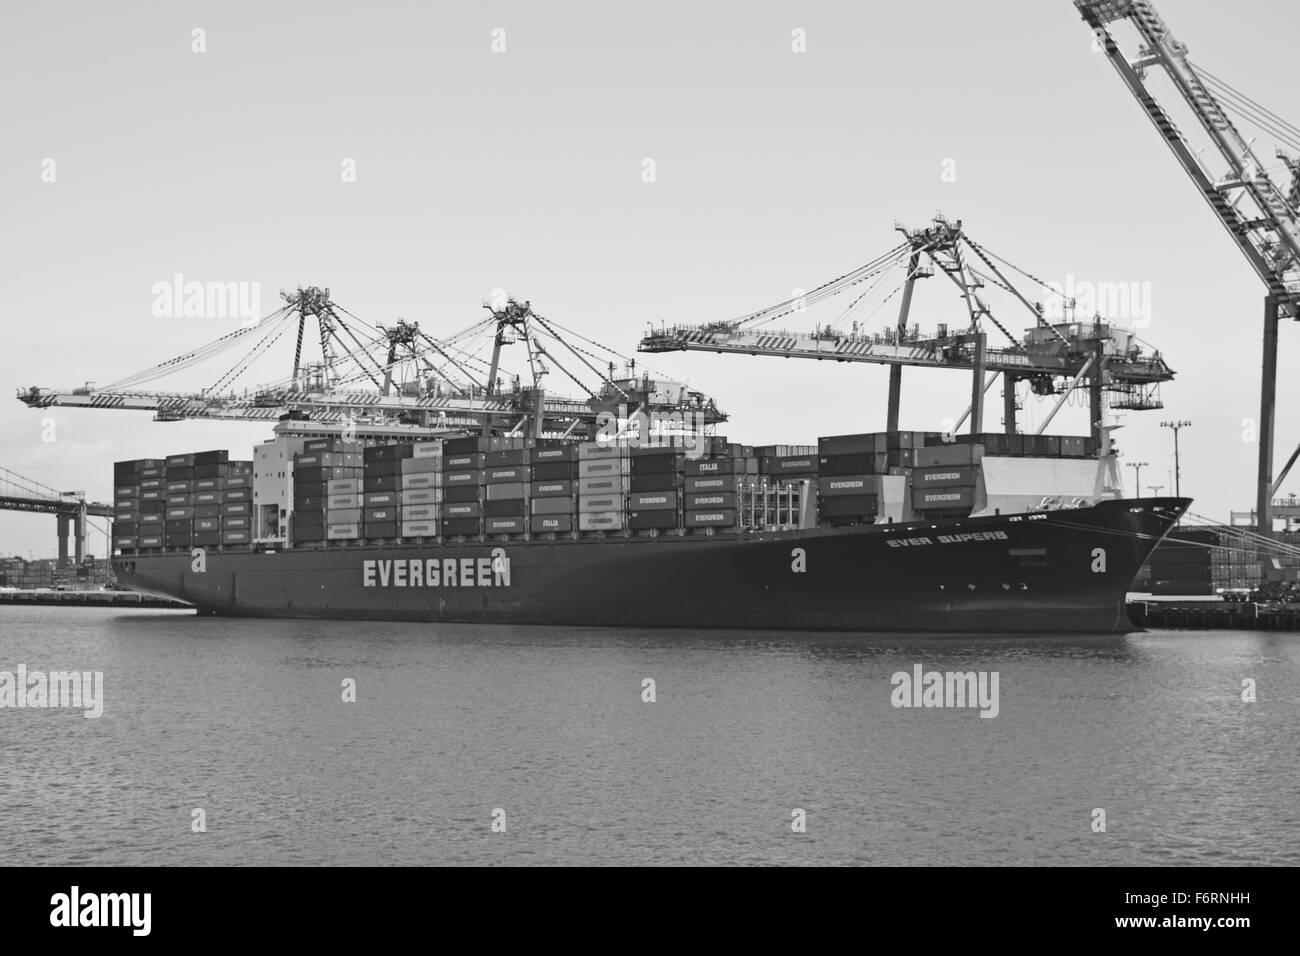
x=895, y=397
x=977, y=387
x=1267, y=403
x=1009, y=403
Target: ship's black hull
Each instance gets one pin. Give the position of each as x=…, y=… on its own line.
x=1062, y=571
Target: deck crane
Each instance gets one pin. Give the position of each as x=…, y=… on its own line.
x=399, y=376
x=1055, y=358
x=1262, y=218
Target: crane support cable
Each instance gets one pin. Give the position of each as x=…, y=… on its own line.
x=825, y=290
x=244, y=361
x=590, y=341
x=572, y=377
x=578, y=354
x=438, y=348
x=1223, y=84
x=866, y=292
x=199, y=354
x=1006, y=284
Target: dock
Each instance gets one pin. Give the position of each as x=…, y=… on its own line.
x=127, y=599
x=1214, y=616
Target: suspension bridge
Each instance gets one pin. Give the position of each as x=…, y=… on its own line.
x=71, y=510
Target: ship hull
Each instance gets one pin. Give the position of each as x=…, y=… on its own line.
x=1063, y=571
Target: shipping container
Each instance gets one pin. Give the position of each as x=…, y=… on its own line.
x=207, y=511
x=604, y=467
x=943, y=499
x=451, y=479
x=469, y=443
x=461, y=526
x=236, y=522
x=428, y=449
x=601, y=521
x=412, y=528
x=944, y=476
x=701, y=483
x=343, y=486
x=853, y=464
x=510, y=474
x=237, y=508
x=654, y=520
x=343, y=501
x=238, y=494
x=553, y=489
x=846, y=485
x=507, y=490
x=505, y=524
x=666, y=481
x=594, y=450
x=180, y=461
x=429, y=512
x=553, y=506
x=378, y=483
x=184, y=511
x=849, y=506
x=461, y=509
x=471, y=462
x=789, y=465
x=343, y=532
x=431, y=479
x=151, y=541
x=554, y=453
x=559, y=523
x=710, y=466
x=867, y=444
x=380, y=499
x=230, y=536
x=712, y=518
x=513, y=456
x=421, y=496
x=380, y=529
x=596, y=504
x=345, y=515
x=609, y=485
x=420, y=466
x=656, y=462
x=379, y=515
x=505, y=508
x=394, y=452
x=554, y=470
x=711, y=501
x=652, y=501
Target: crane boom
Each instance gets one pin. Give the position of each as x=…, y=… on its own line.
x=1262, y=218
x=1053, y=358
x=1253, y=208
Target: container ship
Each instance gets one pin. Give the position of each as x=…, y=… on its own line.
x=886, y=531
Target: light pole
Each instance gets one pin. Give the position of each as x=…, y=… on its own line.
x=1155, y=490
x=1178, y=475
x=1137, y=467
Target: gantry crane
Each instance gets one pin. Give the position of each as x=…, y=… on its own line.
x=432, y=385
x=1054, y=357
x=1260, y=216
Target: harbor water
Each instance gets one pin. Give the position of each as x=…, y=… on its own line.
x=232, y=742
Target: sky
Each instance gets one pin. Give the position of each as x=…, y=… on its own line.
x=523, y=169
